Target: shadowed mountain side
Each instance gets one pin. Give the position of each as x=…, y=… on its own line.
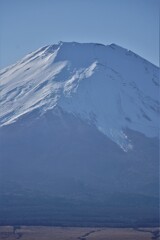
x=58, y=170
x=60, y=154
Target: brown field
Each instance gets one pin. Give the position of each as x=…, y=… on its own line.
x=77, y=233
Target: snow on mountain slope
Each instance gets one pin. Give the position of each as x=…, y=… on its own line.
x=107, y=86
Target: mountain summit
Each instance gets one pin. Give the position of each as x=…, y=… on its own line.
x=108, y=86
x=79, y=123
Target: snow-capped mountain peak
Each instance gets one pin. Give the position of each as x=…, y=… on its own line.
x=107, y=86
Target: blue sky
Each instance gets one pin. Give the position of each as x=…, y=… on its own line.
x=26, y=25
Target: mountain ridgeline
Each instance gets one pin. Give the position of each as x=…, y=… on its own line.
x=79, y=143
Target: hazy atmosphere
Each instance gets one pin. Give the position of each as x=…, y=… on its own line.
x=79, y=120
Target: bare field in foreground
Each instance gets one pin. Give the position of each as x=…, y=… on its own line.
x=77, y=233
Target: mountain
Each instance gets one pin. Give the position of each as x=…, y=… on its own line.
x=79, y=131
